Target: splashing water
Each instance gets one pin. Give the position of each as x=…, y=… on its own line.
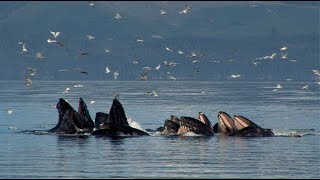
x=191, y=134
x=134, y=124
x=295, y=132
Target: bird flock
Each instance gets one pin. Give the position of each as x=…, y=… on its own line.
x=192, y=57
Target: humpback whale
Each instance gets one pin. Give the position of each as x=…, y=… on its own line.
x=239, y=126
x=246, y=127
x=225, y=123
x=185, y=124
x=116, y=123
x=71, y=121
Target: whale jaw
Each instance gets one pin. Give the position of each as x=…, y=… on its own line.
x=225, y=123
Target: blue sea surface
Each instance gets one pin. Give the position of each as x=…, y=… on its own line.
x=290, y=112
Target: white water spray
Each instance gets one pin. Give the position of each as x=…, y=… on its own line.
x=134, y=124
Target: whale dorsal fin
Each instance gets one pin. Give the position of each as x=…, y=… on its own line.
x=117, y=115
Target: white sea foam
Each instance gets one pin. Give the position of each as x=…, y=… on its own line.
x=191, y=134
x=134, y=124
x=296, y=132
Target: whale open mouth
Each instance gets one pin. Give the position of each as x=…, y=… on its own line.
x=243, y=122
x=226, y=123
x=240, y=122
x=203, y=118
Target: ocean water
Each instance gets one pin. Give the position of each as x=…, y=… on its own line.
x=289, y=111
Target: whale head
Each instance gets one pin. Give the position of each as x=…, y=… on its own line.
x=203, y=118
x=225, y=123
x=117, y=115
x=84, y=112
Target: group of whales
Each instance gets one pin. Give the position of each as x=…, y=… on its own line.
x=115, y=123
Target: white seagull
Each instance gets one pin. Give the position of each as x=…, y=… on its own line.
x=235, y=76
x=118, y=16
x=66, y=90
x=55, y=34
x=148, y=68
x=162, y=11
x=279, y=86
x=284, y=56
x=185, y=11
x=180, y=52
x=91, y=4
x=168, y=49
x=90, y=37
x=107, y=70
x=139, y=40
x=158, y=67
x=316, y=72
x=77, y=85
x=135, y=62
x=306, y=87
x=172, y=77
x=51, y=40
x=24, y=49
x=283, y=48
x=115, y=75
x=153, y=93
x=143, y=76
x=39, y=55
x=10, y=111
